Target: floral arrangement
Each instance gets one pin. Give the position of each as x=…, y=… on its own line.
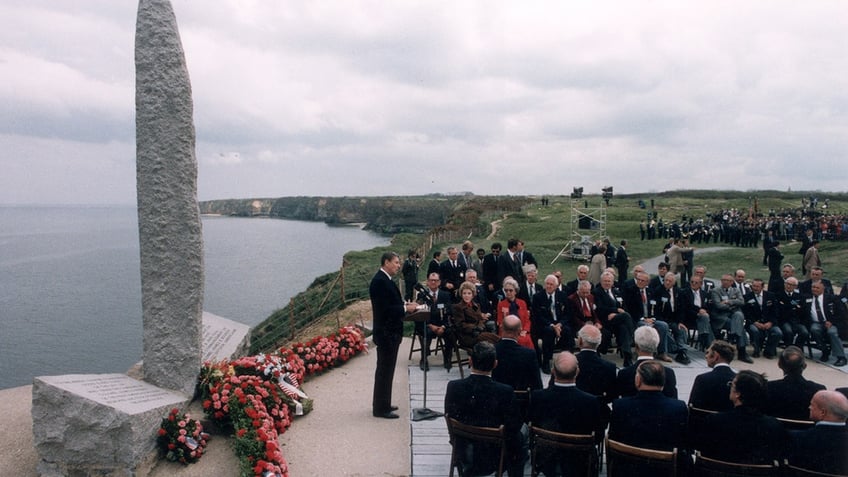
x=321, y=353
x=181, y=438
x=256, y=396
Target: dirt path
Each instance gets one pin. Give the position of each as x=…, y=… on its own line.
x=495, y=226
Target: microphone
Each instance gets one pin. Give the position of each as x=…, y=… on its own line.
x=423, y=293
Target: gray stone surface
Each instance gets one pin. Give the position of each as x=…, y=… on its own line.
x=97, y=424
x=223, y=338
x=170, y=237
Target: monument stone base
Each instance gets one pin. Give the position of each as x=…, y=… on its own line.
x=98, y=424
x=105, y=424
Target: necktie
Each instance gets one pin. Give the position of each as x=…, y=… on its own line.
x=553, y=306
x=453, y=263
x=644, y=303
x=586, y=311
x=611, y=294
x=819, y=313
x=671, y=300
x=760, y=299
x=513, y=308
x=697, y=300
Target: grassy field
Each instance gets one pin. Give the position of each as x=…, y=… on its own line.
x=546, y=230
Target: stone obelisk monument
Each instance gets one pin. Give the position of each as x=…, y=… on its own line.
x=170, y=236
x=105, y=424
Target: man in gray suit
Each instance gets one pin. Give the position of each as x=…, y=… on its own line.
x=727, y=310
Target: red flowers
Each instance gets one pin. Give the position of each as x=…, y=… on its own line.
x=180, y=438
x=255, y=395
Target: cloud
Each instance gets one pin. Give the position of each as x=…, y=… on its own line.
x=369, y=98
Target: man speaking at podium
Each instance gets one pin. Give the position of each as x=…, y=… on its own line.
x=387, y=310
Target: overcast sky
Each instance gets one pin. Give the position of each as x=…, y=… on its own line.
x=394, y=97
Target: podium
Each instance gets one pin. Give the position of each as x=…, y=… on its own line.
x=423, y=413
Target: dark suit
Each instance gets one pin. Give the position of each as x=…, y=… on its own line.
x=672, y=315
x=625, y=381
x=639, y=311
x=480, y=401
x=597, y=377
x=517, y=366
x=649, y=420
x=691, y=313
x=566, y=409
x=790, y=397
x=764, y=312
x=621, y=324
x=743, y=436
x=454, y=275
x=822, y=449
x=791, y=318
x=578, y=315
x=542, y=318
x=508, y=267
x=622, y=262
x=526, y=294
x=711, y=390
x=527, y=258
x=388, y=310
x=490, y=272
x=833, y=311
x=570, y=287
x=440, y=315
x=433, y=267
x=806, y=287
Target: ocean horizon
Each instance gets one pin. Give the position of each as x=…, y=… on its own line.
x=70, y=286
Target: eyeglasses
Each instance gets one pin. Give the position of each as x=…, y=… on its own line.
x=508, y=290
x=433, y=280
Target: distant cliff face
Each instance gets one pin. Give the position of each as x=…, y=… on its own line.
x=384, y=214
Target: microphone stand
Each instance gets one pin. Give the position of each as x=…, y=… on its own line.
x=424, y=413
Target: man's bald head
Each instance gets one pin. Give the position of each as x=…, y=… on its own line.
x=565, y=367
x=829, y=406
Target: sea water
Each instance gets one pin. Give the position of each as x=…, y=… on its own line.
x=70, y=286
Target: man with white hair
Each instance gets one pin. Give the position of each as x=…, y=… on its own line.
x=791, y=314
x=822, y=447
x=609, y=305
x=646, y=340
x=549, y=322
x=727, y=311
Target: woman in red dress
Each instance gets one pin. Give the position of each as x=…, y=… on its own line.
x=512, y=305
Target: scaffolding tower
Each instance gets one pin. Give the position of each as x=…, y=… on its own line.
x=588, y=225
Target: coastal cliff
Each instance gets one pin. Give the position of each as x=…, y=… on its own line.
x=391, y=215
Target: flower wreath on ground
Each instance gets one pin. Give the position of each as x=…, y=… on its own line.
x=255, y=397
x=181, y=438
